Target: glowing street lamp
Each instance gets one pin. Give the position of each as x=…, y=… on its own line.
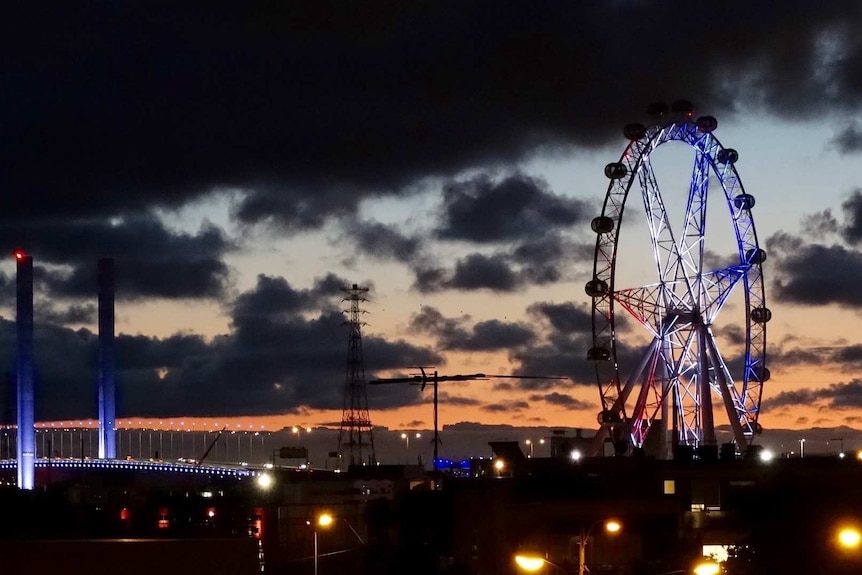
x=406, y=438
x=849, y=538
x=533, y=563
x=326, y=520
x=706, y=568
x=611, y=526
x=322, y=521
x=264, y=481
x=530, y=446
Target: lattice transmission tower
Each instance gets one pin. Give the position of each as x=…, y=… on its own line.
x=355, y=435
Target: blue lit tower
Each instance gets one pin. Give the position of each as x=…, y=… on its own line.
x=107, y=381
x=355, y=433
x=26, y=405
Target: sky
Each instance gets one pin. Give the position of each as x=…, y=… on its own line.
x=243, y=162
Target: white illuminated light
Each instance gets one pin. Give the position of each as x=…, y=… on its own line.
x=575, y=455
x=264, y=481
x=766, y=455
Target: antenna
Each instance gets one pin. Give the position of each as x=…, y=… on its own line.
x=422, y=380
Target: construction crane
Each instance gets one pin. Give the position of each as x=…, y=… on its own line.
x=422, y=380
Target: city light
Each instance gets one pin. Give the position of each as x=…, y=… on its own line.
x=707, y=568
x=613, y=526
x=575, y=455
x=529, y=563
x=766, y=455
x=849, y=537
x=325, y=520
x=264, y=481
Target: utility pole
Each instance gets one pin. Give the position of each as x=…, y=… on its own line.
x=422, y=380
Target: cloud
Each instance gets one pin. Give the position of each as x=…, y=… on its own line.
x=819, y=225
x=478, y=271
x=274, y=297
x=563, y=400
x=452, y=334
x=474, y=272
x=518, y=207
x=539, y=260
x=150, y=259
x=283, y=354
x=309, y=110
x=852, y=207
x=849, y=140
x=506, y=406
x=807, y=275
x=384, y=242
x=836, y=396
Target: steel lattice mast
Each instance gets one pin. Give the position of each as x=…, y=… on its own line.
x=355, y=435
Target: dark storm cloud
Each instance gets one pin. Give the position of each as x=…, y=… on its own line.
x=805, y=270
x=312, y=105
x=473, y=272
x=848, y=354
x=482, y=210
x=851, y=231
x=72, y=314
x=733, y=333
x=275, y=360
x=848, y=140
x=274, y=296
x=150, y=259
x=837, y=395
x=562, y=399
x=788, y=353
x=506, y=406
x=478, y=271
x=451, y=399
x=819, y=225
x=539, y=260
x=566, y=317
x=808, y=275
x=384, y=242
x=451, y=334
x=563, y=350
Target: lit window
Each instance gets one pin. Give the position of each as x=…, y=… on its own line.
x=669, y=487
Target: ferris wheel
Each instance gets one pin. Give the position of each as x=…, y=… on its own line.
x=681, y=372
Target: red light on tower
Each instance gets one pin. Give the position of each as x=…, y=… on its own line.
x=19, y=255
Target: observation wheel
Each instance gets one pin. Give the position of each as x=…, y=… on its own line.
x=681, y=372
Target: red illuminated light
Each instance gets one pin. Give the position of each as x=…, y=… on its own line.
x=19, y=255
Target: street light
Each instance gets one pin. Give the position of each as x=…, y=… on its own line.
x=529, y=445
x=611, y=526
x=324, y=521
x=707, y=568
x=849, y=538
x=532, y=563
x=801, y=448
x=264, y=481
x=406, y=438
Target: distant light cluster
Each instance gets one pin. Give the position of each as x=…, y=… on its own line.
x=136, y=466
